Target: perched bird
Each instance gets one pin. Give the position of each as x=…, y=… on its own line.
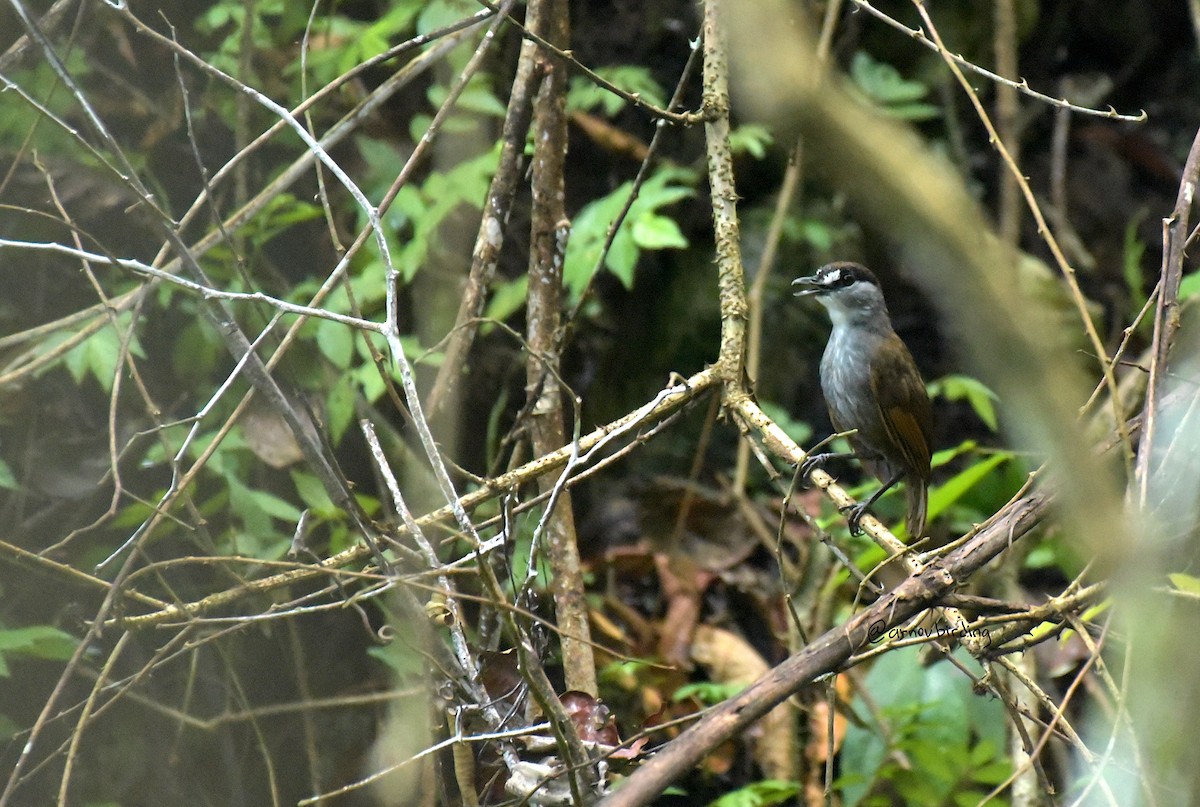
x=872, y=385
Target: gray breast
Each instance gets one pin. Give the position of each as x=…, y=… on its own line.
x=846, y=384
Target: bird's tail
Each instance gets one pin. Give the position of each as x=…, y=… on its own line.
x=916, y=493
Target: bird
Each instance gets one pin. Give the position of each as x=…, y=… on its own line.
x=872, y=386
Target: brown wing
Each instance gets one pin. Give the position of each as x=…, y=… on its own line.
x=904, y=407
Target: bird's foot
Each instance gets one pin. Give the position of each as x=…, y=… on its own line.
x=814, y=461
x=854, y=514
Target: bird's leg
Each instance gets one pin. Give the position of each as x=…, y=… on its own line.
x=814, y=460
x=855, y=512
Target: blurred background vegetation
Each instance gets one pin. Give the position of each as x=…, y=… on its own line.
x=110, y=387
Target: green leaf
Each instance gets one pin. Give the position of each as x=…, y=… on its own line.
x=931, y=716
x=313, y=494
x=882, y=82
x=763, y=793
x=798, y=430
x=417, y=353
x=269, y=503
x=507, y=298
x=440, y=195
x=888, y=91
x=336, y=341
x=98, y=354
x=369, y=382
x=197, y=349
x=585, y=95
x=339, y=407
x=1042, y=556
x=217, y=16
x=7, y=480
x=274, y=506
x=707, y=692
x=401, y=657
x=256, y=509
x=953, y=489
x=944, y=456
x=418, y=125
x=1132, y=254
x=281, y=213
x=913, y=112
x=477, y=96
x=440, y=13
x=522, y=546
x=1185, y=583
x=818, y=234
x=658, y=232
x=975, y=392
x=35, y=641
x=752, y=139
x=1189, y=286
x=623, y=256
x=589, y=230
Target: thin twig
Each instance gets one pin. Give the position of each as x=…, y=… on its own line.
x=1021, y=86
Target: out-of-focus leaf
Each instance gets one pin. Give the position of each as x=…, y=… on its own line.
x=339, y=407
x=97, y=355
x=975, y=392
x=1185, y=583
x=707, y=692
x=35, y=641
x=1134, y=249
x=336, y=341
x=798, y=430
x=1189, y=286
x=889, y=91
x=953, y=489
x=507, y=298
x=752, y=139
x=658, y=232
x=882, y=82
x=763, y=793
x=585, y=95
x=313, y=494
x=7, y=480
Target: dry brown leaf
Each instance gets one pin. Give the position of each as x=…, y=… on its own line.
x=730, y=659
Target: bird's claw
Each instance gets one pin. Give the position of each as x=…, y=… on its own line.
x=854, y=514
x=812, y=462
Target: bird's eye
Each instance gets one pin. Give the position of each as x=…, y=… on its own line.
x=838, y=279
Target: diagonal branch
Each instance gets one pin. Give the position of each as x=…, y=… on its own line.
x=828, y=653
x=668, y=400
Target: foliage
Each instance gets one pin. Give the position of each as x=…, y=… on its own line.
x=707, y=692
x=419, y=212
x=929, y=716
x=586, y=95
x=645, y=227
x=763, y=793
x=98, y=355
x=751, y=138
x=890, y=92
x=965, y=388
x=35, y=641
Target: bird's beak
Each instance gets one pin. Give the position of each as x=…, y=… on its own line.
x=807, y=286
